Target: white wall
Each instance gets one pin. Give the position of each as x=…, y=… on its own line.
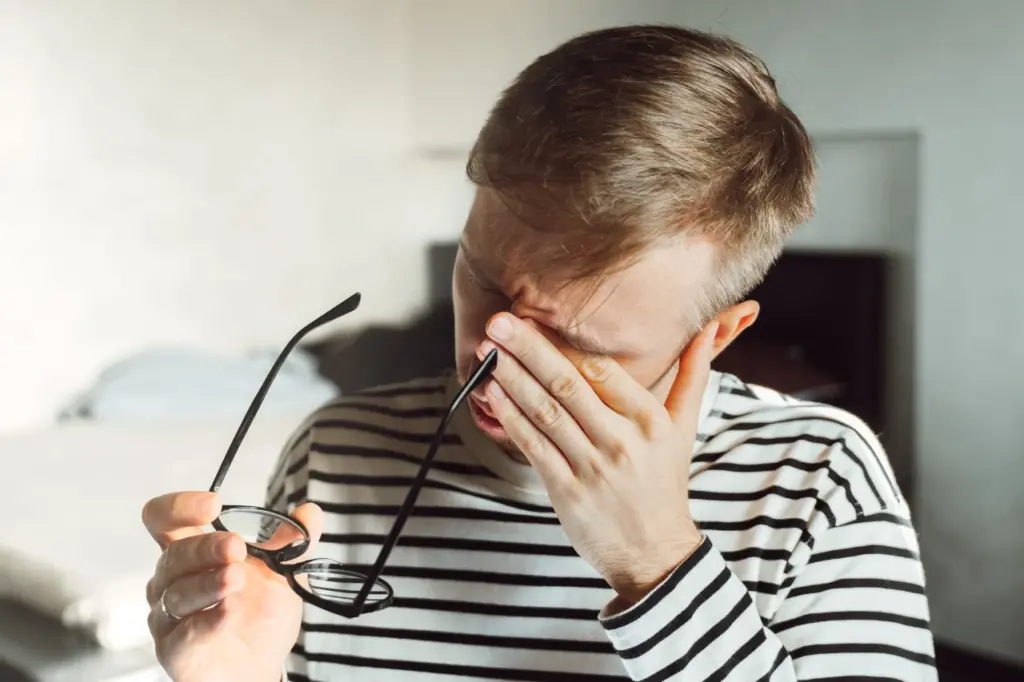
x=207, y=173
x=216, y=173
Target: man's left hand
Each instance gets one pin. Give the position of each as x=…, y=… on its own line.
x=614, y=459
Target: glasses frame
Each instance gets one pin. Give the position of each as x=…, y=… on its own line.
x=278, y=559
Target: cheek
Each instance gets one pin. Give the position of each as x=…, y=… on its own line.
x=653, y=373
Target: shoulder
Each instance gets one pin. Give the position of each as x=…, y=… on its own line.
x=414, y=394
x=390, y=410
x=376, y=431
x=388, y=422
x=846, y=458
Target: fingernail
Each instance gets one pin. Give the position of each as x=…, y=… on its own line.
x=485, y=348
x=494, y=391
x=499, y=328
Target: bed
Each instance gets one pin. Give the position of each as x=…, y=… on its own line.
x=74, y=563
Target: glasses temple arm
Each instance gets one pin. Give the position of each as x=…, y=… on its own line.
x=405, y=510
x=343, y=308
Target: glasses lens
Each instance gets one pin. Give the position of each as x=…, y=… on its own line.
x=264, y=528
x=330, y=580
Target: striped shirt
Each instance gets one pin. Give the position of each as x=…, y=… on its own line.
x=809, y=569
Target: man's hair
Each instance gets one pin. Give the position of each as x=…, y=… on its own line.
x=627, y=136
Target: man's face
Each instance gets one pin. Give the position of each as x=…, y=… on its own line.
x=637, y=315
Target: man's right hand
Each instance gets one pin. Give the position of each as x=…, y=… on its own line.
x=232, y=617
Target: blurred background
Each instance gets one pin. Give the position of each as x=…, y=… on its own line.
x=183, y=184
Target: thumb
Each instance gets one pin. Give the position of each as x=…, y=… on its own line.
x=687, y=392
x=312, y=517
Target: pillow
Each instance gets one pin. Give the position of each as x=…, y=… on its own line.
x=78, y=551
x=185, y=384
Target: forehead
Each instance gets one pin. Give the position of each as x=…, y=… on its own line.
x=639, y=309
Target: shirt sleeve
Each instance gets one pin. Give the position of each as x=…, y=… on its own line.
x=856, y=610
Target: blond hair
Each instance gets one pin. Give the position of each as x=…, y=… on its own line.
x=626, y=136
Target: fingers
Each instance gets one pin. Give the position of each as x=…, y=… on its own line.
x=544, y=411
x=195, y=554
x=286, y=534
x=538, y=355
x=617, y=389
x=687, y=392
x=178, y=635
x=312, y=517
x=534, y=444
x=200, y=591
x=531, y=355
x=586, y=384
x=175, y=516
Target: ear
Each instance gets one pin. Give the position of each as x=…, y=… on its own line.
x=732, y=322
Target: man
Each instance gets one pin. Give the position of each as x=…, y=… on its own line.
x=608, y=507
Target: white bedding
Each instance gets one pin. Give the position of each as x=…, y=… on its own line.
x=72, y=544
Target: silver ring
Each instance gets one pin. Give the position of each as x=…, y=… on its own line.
x=163, y=607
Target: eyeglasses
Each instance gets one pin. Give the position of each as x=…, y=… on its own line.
x=277, y=538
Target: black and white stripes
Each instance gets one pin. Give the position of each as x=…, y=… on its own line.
x=809, y=569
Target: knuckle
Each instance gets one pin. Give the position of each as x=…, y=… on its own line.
x=653, y=426
x=595, y=470
x=179, y=552
x=617, y=450
x=596, y=368
x=573, y=494
x=564, y=387
x=546, y=413
x=218, y=581
x=185, y=555
x=168, y=558
x=213, y=548
x=535, y=444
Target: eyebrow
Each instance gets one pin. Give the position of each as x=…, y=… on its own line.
x=580, y=342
